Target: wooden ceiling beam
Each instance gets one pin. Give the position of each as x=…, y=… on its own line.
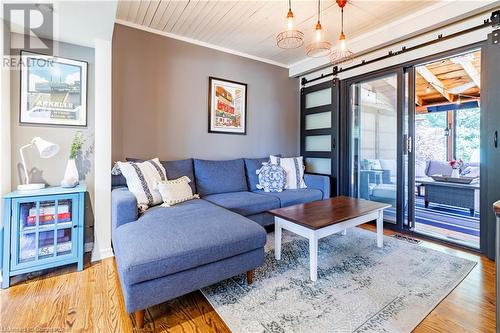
x=466, y=63
x=423, y=108
x=434, y=82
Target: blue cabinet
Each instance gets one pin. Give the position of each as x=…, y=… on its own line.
x=42, y=229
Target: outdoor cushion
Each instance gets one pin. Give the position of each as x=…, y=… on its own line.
x=244, y=203
x=220, y=176
x=386, y=191
x=165, y=241
x=439, y=168
x=294, y=197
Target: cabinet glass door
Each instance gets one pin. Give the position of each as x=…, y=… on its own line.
x=43, y=229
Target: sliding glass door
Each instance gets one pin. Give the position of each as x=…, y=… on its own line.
x=375, y=124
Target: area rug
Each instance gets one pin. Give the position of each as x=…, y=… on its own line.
x=360, y=288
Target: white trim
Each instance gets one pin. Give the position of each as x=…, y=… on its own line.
x=102, y=254
x=5, y=141
x=102, y=153
x=199, y=43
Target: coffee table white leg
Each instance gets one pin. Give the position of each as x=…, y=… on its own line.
x=277, y=238
x=313, y=256
x=344, y=232
x=380, y=228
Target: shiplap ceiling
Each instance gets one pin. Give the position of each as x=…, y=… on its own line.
x=250, y=27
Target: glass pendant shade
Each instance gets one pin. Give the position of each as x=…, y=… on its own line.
x=342, y=54
x=319, y=47
x=290, y=38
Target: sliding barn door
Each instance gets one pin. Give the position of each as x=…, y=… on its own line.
x=490, y=139
x=319, y=129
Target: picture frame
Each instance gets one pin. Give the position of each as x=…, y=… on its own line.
x=227, y=106
x=53, y=90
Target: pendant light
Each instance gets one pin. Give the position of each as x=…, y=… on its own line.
x=290, y=38
x=318, y=47
x=341, y=55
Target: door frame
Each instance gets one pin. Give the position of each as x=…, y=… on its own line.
x=345, y=131
x=333, y=130
x=348, y=116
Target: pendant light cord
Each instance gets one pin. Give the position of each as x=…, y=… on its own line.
x=319, y=9
x=342, y=20
x=289, y=4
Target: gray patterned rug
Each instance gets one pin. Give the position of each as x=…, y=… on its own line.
x=360, y=288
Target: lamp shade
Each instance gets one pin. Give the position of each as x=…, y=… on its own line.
x=46, y=148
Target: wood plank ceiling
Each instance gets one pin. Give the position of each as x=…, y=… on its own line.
x=251, y=26
x=448, y=81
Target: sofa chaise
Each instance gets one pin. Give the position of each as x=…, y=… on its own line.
x=164, y=253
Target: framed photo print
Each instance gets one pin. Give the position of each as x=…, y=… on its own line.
x=53, y=90
x=227, y=106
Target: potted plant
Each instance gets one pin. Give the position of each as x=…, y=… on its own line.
x=71, y=176
x=456, y=165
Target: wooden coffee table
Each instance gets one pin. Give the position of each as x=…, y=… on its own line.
x=318, y=219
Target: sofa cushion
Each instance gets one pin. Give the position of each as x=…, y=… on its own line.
x=251, y=166
x=294, y=197
x=165, y=241
x=244, y=203
x=220, y=176
x=179, y=168
x=439, y=168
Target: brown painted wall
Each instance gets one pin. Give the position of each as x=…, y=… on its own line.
x=160, y=101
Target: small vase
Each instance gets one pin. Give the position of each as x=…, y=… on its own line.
x=71, y=172
x=455, y=173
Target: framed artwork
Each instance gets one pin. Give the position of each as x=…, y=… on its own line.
x=227, y=106
x=53, y=90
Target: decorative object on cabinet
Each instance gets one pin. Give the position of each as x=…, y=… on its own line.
x=71, y=176
x=46, y=149
x=42, y=229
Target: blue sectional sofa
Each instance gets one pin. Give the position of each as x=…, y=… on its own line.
x=167, y=252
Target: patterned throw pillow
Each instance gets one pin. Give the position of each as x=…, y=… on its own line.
x=294, y=168
x=142, y=179
x=176, y=191
x=272, y=178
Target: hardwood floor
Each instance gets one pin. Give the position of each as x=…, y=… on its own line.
x=64, y=300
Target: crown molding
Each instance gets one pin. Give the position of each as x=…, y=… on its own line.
x=199, y=43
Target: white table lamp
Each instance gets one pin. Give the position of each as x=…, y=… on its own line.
x=46, y=149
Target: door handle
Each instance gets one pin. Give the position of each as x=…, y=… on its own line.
x=495, y=139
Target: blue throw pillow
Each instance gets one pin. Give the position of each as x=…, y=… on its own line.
x=252, y=165
x=272, y=178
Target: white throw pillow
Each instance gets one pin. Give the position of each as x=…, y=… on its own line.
x=176, y=191
x=142, y=179
x=294, y=168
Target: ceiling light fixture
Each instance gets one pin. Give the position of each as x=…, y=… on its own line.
x=318, y=47
x=290, y=38
x=342, y=54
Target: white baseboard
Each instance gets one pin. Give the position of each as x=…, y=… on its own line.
x=103, y=254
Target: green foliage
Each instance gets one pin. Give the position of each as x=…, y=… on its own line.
x=76, y=145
